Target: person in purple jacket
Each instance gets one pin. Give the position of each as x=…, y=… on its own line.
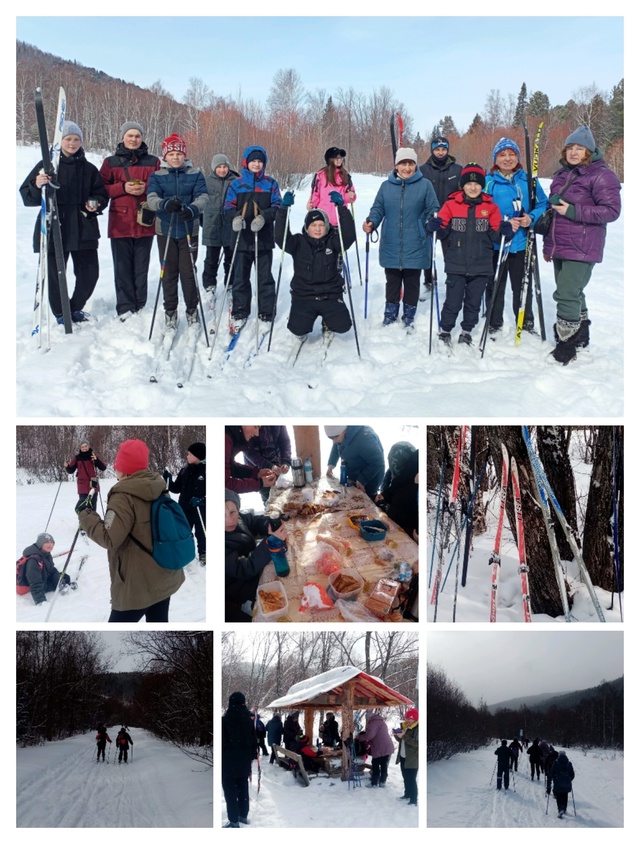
x=380, y=747
x=585, y=196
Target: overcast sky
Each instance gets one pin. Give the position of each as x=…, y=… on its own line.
x=505, y=664
x=436, y=66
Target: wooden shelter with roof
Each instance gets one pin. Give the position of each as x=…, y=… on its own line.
x=346, y=689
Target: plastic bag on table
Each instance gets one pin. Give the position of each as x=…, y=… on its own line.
x=283, y=482
x=326, y=559
x=353, y=611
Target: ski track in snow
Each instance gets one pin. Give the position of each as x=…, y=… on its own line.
x=104, y=368
x=61, y=785
x=461, y=792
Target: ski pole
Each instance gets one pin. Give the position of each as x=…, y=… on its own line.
x=53, y=505
x=493, y=773
x=204, y=530
x=502, y=254
x=275, y=303
x=256, y=212
x=353, y=214
x=162, y=269
x=435, y=530
x=366, y=275
x=575, y=814
x=63, y=572
x=226, y=284
x=353, y=316
x=191, y=250
x=83, y=560
x=434, y=282
x=548, y=796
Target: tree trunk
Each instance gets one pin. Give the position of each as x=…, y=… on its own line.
x=553, y=448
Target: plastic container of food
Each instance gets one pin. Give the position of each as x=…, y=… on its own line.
x=349, y=595
x=277, y=589
x=355, y=519
x=373, y=530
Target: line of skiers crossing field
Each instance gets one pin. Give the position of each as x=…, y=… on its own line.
x=123, y=743
x=486, y=222
x=554, y=765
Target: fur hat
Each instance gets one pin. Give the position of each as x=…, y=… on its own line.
x=132, y=456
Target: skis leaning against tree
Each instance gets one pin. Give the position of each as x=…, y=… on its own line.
x=494, y=559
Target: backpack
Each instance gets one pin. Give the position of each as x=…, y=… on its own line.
x=22, y=587
x=173, y=544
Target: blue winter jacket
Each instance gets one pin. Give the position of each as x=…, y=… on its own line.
x=186, y=183
x=504, y=191
x=253, y=193
x=362, y=451
x=402, y=206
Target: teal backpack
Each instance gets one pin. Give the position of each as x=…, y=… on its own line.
x=173, y=545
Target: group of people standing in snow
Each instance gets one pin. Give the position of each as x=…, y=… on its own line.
x=544, y=759
x=478, y=216
x=123, y=743
x=139, y=586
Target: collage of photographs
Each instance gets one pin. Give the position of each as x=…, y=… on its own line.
x=393, y=319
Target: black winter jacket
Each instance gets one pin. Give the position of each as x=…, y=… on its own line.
x=191, y=482
x=317, y=263
x=40, y=572
x=244, y=558
x=444, y=176
x=79, y=180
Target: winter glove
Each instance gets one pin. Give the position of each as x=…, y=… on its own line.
x=238, y=223
x=433, y=224
x=287, y=200
x=65, y=579
x=505, y=230
x=336, y=198
x=257, y=223
x=187, y=213
x=85, y=504
x=94, y=483
x=196, y=501
x=172, y=205
x=167, y=475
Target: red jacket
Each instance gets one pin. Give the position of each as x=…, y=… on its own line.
x=123, y=209
x=237, y=476
x=469, y=231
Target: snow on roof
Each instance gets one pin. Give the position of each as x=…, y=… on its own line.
x=328, y=689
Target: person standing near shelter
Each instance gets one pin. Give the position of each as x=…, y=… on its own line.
x=359, y=447
x=381, y=748
x=239, y=749
x=126, y=178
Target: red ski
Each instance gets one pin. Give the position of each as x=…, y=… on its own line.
x=494, y=559
x=523, y=568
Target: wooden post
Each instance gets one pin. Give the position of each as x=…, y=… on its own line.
x=307, y=440
x=347, y=724
x=308, y=724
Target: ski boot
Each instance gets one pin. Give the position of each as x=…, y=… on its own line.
x=237, y=324
x=408, y=316
x=125, y=316
x=80, y=316
x=170, y=320
x=465, y=338
x=192, y=317
x=202, y=559
x=445, y=338
x=265, y=317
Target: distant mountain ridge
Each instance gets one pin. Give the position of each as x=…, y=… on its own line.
x=544, y=701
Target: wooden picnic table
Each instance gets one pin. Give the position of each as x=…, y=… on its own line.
x=327, y=513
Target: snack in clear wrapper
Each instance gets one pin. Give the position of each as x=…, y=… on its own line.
x=382, y=596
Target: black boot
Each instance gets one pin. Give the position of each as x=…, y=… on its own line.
x=582, y=337
x=391, y=311
x=566, y=333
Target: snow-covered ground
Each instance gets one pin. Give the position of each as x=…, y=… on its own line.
x=104, y=368
x=327, y=802
x=61, y=785
x=91, y=601
x=461, y=792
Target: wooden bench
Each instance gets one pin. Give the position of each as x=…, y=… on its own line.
x=283, y=754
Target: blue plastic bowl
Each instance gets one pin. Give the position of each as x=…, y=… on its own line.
x=373, y=530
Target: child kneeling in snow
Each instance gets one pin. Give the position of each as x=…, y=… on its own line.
x=317, y=284
x=469, y=223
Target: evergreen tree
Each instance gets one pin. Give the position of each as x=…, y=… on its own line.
x=539, y=104
x=476, y=125
x=521, y=107
x=616, y=108
x=448, y=126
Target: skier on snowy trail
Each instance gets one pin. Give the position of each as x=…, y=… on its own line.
x=123, y=740
x=504, y=761
x=561, y=776
x=535, y=757
x=102, y=737
x=516, y=749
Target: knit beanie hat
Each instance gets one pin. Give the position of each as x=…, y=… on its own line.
x=406, y=154
x=334, y=152
x=230, y=495
x=334, y=430
x=219, y=159
x=132, y=456
x=411, y=715
x=440, y=141
x=472, y=172
x=174, y=143
x=42, y=538
x=314, y=215
x=256, y=155
x=130, y=125
x=237, y=699
x=582, y=136
x=69, y=128
x=506, y=143
x=198, y=450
